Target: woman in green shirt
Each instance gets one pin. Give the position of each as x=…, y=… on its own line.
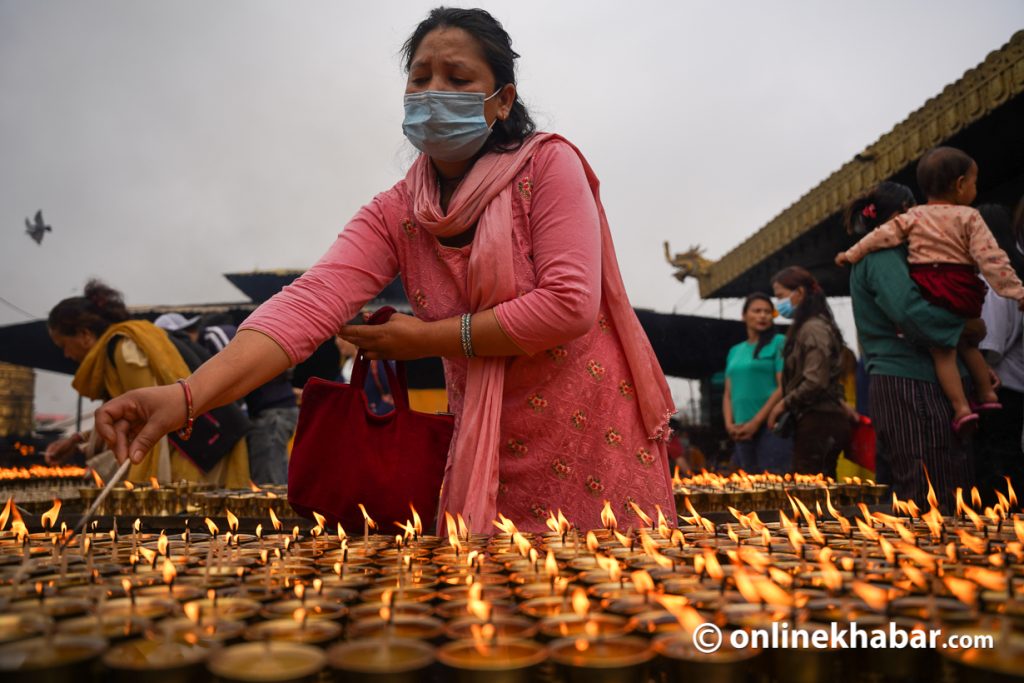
x=753, y=372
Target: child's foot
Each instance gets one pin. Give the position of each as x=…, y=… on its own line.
x=965, y=424
x=987, y=403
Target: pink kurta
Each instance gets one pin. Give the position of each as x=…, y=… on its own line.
x=571, y=432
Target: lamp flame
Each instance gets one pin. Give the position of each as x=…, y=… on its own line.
x=387, y=599
x=417, y=523
x=169, y=572
x=476, y=605
x=679, y=607
x=933, y=518
x=580, y=603
x=6, y=514
x=915, y=576
x=214, y=529
x=366, y=516
x=593, y=545
x=610, y=565
x=608, y=520
x=551, y=522
x=551, y=565
x=49, y=518
x=712, y=567
x=875, y=597
x=274, y=521
x=745, y=586
x=98, y=479
x=651, y=550
x=232, y=521
x=830, y=576
x=642, y=582
x=641, y=514
x=503, y=523
x=965, y=591
x=155, y=483
x=987, y=578
x=321, y=521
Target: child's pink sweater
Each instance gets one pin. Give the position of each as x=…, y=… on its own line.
x=945, y=233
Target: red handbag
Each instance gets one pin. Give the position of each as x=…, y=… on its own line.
x=862, y=444
x=345, y=454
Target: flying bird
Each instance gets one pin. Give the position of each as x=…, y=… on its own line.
x=37, y=229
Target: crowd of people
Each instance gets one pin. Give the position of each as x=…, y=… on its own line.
x=504, y=249
x=942, y=351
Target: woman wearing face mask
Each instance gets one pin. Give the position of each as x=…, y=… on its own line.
x=811, y=391
x=506, y=257
x=753, y=385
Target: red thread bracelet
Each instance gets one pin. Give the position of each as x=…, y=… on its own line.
x=186, y=432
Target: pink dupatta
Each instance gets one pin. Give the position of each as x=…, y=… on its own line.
x=484, y=197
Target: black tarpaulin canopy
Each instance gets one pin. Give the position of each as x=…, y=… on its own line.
x=686, y=346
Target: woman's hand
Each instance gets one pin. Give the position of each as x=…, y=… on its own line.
x=403, y=337
x=62, y=449
x=134, y=422
x=777, y=411
x=746, y=431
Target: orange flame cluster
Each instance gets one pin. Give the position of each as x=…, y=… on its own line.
x=41, y=472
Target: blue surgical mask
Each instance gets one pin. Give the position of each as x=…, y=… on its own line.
x=785, y=308
x=447, y=126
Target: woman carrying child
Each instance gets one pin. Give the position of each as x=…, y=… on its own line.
x=948, y=244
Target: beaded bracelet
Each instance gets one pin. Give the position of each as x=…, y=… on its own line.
x=186, y=432
x=466, y=335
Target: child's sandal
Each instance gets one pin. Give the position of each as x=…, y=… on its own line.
x=963, y=424
x=988, y=405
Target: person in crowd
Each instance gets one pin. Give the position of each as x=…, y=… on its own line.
x=506, y=255
x=272, y=408
x=115, y=355
x=813, y=364
x=997, y=446
x=685, y=456
x=753, y=385
x=948, y=243
x=896, y=326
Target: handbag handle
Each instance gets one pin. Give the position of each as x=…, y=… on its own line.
x=396, y=374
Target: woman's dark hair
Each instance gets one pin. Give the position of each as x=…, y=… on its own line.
x=997, y=218
x=867, y=212
x=765, y=336
x=814, y=303
x=496, y=45
x=98, y=308
x=939, y=168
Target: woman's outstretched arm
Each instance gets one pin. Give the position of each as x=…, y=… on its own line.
x=134, y=421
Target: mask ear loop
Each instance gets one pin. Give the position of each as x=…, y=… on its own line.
x=491, y=127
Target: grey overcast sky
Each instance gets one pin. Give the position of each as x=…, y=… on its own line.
x=170, y=142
